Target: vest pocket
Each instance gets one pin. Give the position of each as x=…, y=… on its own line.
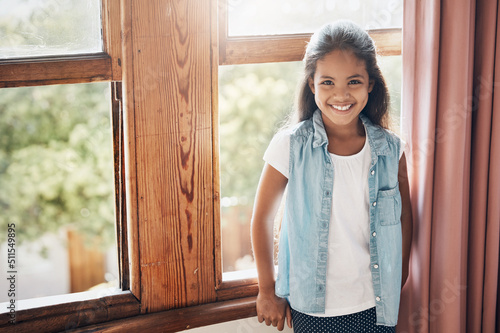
x=389, y=206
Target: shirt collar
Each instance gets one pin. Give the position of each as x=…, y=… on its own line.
x=375, y=134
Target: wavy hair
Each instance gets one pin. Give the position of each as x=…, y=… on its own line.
x=345, y=36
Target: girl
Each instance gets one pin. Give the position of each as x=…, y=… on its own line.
x=346, y=230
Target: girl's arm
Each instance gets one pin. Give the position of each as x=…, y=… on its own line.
x=270, y=308
x=406, y=217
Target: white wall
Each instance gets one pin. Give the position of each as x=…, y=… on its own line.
x=248, y=325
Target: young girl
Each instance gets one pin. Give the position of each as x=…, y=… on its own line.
x=346, y=230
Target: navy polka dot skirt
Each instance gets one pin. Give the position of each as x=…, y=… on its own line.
x=364, y=321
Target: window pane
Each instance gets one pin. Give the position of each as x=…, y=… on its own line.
x=33, y=28
x=391, y=67
x=261, y=17
x=56, y=186
x=253, y=102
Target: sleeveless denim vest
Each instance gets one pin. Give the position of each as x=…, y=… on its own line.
x=303, y=245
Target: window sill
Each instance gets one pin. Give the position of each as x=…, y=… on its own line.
x=60, y=313
x=180, y=319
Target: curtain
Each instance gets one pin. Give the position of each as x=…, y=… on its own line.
x=451, y=119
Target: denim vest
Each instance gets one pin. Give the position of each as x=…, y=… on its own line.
x=303, y=245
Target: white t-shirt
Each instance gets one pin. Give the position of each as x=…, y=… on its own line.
x=349, y=287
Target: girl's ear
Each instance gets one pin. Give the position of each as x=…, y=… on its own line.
x=370, y=86
x=310, y=81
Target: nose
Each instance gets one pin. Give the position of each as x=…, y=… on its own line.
x=341, y=93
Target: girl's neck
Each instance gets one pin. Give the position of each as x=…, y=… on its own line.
x=346, y=140
x=345, y=132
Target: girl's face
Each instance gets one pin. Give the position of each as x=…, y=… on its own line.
x=340, y=86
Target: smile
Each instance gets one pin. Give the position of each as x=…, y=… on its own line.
x=341, y=108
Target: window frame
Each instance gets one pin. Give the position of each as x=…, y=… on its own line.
x=237, y=50
x=56, y=313
x=79, y=68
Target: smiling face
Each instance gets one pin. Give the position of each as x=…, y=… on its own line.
x=340, y=86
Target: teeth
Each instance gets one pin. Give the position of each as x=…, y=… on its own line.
x=342, y=108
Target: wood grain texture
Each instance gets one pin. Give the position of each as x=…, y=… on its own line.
x=111, y=24
x=129, y=150
x=170, y=78
x=69, y=315
x=220, y=14
x=279, y=48
x=55, y=70
x=119, y=182
x=237, y=289
x=179, y=319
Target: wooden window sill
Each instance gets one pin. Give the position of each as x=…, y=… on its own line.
x=66, y=312
x=180, y=319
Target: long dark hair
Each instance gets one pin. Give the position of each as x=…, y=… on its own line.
x=343, y=35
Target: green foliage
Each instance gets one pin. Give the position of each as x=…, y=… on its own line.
x=56, y=162
x=253, y=102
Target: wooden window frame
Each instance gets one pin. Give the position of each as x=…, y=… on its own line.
x=69, y=311
x=237, y=50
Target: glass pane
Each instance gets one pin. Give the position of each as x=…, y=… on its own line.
x=262, y=17
x=253, y=103
x=32, y=28
x=391, y=67
x=56, y=188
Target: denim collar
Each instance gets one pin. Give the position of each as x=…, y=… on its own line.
x=376, y=136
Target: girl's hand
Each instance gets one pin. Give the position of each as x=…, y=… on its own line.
x=273, y=310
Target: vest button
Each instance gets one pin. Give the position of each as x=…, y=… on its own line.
x=373, y=172
x=375, y=266
x=374, y=234
x=377, y=299
x=374, y=203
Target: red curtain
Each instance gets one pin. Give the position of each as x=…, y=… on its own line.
x=451, y=119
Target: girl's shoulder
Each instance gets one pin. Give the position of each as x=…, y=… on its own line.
x=395, y=141
x=390, y=135
x=302, y=128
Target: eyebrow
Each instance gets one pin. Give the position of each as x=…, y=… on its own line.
x=349, y=78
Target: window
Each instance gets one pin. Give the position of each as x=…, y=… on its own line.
x=259, y=54
x=56, y=187
x=254, y=100
x=61, y=162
